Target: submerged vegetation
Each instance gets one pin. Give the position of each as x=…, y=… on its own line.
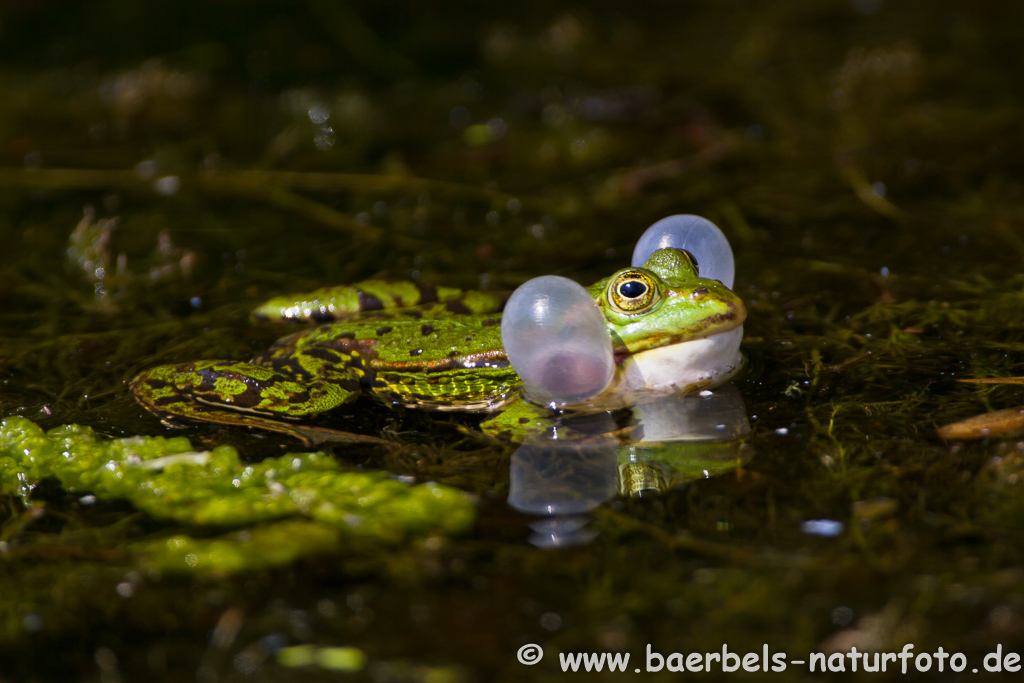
x=166, y=171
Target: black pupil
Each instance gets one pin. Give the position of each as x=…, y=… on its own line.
x=632, y=289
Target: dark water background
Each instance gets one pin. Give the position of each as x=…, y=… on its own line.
x=864, y=157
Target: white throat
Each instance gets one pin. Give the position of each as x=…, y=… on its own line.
x=676, y=369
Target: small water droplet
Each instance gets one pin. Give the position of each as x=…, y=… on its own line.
x=324, y=139
x=319, y=113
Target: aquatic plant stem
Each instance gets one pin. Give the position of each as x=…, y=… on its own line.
x=274, y=187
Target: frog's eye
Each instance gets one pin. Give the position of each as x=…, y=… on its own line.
x=698, y=236
x=557, y=340
x=633, y=291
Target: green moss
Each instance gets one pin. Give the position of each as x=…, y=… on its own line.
x=331, y=658
x=169, y=480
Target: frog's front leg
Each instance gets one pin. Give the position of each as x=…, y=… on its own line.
x=287, y=384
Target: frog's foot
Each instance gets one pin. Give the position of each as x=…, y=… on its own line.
x=234, y=393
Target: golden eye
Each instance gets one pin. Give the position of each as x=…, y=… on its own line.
x=632, y=292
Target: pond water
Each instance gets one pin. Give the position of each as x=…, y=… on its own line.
x=169, y=166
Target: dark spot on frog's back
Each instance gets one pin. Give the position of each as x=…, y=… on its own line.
x=368, y=302
x=427, y=330
x=248, y=398
x=384, y=330
x=321, y=316
x=349, y=345
x=154, y=383
x=457, y=307
x=325, y=354
x=524, y=420
x=298, y=397
x=416, y=352
x=490, y=322
x=428, y=293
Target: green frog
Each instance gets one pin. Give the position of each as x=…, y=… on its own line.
x=441, y=349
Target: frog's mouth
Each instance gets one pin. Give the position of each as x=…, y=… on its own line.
x=677, y=368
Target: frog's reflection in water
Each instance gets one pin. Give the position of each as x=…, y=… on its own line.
x=638, y=451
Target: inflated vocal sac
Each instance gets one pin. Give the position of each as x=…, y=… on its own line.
x=557, y=340
x=697, y=235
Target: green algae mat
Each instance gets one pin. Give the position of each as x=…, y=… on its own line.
x=167, y=479
x=167, y=168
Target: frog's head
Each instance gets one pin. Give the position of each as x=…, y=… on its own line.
x=655, y=330
x=665, y=303
x=671, y=329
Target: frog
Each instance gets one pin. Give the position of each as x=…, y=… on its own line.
x=440, y=349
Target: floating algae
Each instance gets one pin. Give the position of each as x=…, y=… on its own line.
x=317, y=503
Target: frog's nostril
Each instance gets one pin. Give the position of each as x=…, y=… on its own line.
x=700, y=291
